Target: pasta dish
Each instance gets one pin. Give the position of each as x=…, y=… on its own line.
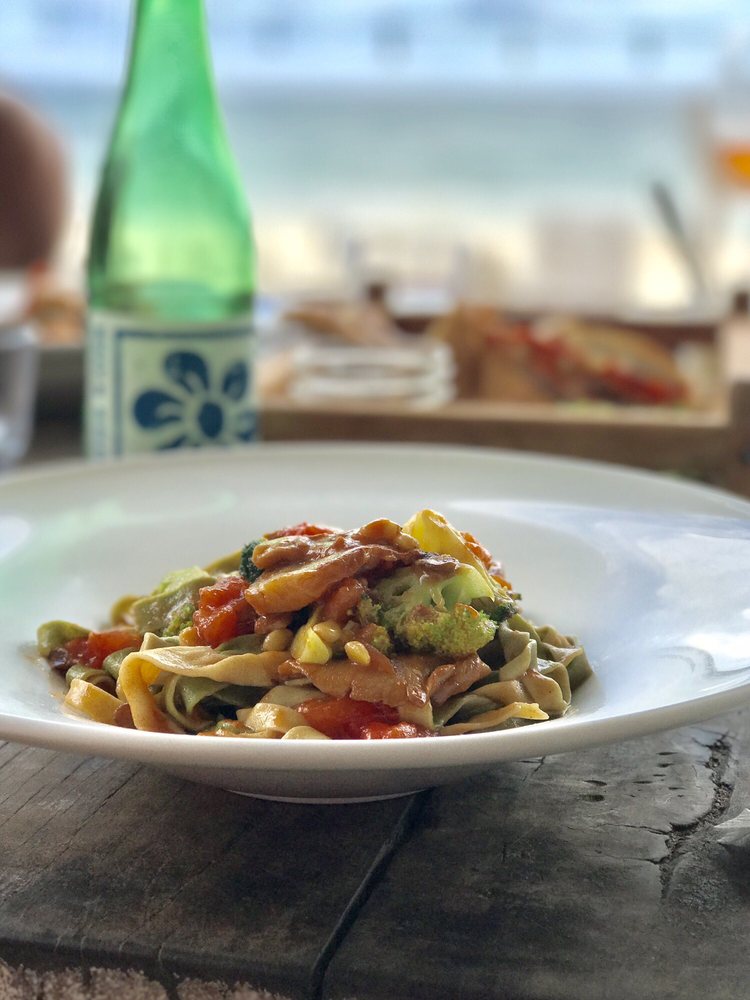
x=386, y=631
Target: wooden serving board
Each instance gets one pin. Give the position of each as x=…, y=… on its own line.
x=711, y=445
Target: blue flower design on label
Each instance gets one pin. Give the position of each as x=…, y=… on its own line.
x=198, y=409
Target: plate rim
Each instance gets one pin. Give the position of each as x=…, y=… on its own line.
x=67, y=466
x=471, y=749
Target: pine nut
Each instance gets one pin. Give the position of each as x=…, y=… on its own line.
x=277, y=640
x=390, y=529
x=357, y=653
x=406, y=542
x=382, y=530
x=328, y=631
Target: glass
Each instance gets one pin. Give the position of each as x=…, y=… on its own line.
x=18, y=379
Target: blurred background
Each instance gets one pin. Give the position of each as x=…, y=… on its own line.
x=513, y=171
x=531, y=144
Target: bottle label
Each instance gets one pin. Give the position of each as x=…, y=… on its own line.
x=155, y=387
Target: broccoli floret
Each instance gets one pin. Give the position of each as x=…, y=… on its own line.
x=380, y=639
x=248, y=570
x=412, y=587
x=499, y=609
x=368, y=612
x=432, y=615
x=455, y=633
x=369, y=615
x=180, y=619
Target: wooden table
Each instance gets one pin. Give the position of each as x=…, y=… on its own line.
x=595, y=874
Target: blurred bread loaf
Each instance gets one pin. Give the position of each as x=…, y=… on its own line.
x=557, y=358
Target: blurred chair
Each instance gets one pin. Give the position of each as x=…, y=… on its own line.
x=33, y=190
x=33, y=203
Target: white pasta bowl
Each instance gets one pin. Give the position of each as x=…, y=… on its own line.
x=650, y=573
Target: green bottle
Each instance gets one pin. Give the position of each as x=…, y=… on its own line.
x=171, y=266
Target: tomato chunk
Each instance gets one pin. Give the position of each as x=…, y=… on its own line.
x=349, y=719
x=222, y=612
x=102, y=644
x=343, y=718
x=93, y=650
x=75, y=651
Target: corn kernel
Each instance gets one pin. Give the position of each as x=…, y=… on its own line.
x=328, y=631
x=277, y=640
x=357, y=653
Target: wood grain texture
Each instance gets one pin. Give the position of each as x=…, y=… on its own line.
x=695, y=444
x=110, y=864
x=590, y=874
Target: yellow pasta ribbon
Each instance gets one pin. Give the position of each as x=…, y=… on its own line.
x=92, y=701
x=246, y=669
x=136, y=674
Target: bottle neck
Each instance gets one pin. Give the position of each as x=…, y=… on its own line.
x=169, y=53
